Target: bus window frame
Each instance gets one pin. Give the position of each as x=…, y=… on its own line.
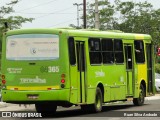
x=111, y=51
x=137, y=62
x=118, y=63
x=98, y=51
x=68, y=40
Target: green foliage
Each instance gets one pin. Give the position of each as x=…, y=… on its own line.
x=106, y=15
x=14, y=21
x=127, y=16
x=157, y=68
x=140, y=18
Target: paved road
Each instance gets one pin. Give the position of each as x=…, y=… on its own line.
x=116, y=111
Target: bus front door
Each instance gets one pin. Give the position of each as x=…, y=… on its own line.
x=129, y=68
x=81, y=68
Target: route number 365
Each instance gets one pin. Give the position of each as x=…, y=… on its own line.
x=53, y=69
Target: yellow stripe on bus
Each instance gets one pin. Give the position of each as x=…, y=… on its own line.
x=142, y=73
x=33, y=88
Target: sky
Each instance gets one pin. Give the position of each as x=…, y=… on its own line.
x=53, y=13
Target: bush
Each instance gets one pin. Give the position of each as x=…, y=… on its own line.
x=157, y=68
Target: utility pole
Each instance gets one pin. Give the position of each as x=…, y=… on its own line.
x=96, y=15
x=84, y=14
x=77, y=12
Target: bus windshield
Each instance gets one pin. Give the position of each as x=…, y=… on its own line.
x=32, y=47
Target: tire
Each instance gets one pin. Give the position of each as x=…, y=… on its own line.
x=46, y=108
x=140, y=100
x=97, y=106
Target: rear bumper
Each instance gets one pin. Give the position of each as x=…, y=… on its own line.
x=14, y=96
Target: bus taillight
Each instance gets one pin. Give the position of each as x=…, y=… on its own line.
x=63, y=81
x=3, y=82
x=3, y=77
x=63, y=76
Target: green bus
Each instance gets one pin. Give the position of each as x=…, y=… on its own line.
x=65, y=67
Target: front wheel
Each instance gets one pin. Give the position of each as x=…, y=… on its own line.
x=140, y=100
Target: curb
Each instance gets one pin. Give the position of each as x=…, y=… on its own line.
x=3, y=104
x=156, y=97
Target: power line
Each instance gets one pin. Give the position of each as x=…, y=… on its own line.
x=40, y=13
x=37, y=5
x=56, y=12
x=62, y=22
x=15, y=2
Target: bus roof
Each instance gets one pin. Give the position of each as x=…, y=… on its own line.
x=83, y=33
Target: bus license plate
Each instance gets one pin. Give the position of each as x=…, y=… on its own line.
x=32, y=96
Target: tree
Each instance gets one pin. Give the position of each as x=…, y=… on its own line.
x=130, y=17
x=106, y=15
x=127, y=16
x=139, y=18
x=15, y=22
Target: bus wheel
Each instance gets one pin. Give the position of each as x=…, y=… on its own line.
x=46, y=108
x=140, y=101
x=97, y=106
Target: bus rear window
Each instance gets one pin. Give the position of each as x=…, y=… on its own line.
x=32, y=47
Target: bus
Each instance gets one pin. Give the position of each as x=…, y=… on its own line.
x=65, y=67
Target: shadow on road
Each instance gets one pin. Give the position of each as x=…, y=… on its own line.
x=106, y=111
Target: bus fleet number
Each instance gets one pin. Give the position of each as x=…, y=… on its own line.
x=53, y=69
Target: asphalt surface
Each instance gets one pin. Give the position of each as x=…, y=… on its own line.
x=114, y=111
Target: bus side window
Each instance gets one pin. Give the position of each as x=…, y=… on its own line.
x=118, y=50
x=95, y=51
x=107, y=51
x=71, y=46
x=139, y=51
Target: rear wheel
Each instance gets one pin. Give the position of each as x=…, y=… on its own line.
x=140, y=101
x=97, y=106
x=46, y=108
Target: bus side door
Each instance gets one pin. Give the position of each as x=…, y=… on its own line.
x=77, y=70
x=129, y=68
x=73, y=98
x=150, y=71
x=81, y=69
